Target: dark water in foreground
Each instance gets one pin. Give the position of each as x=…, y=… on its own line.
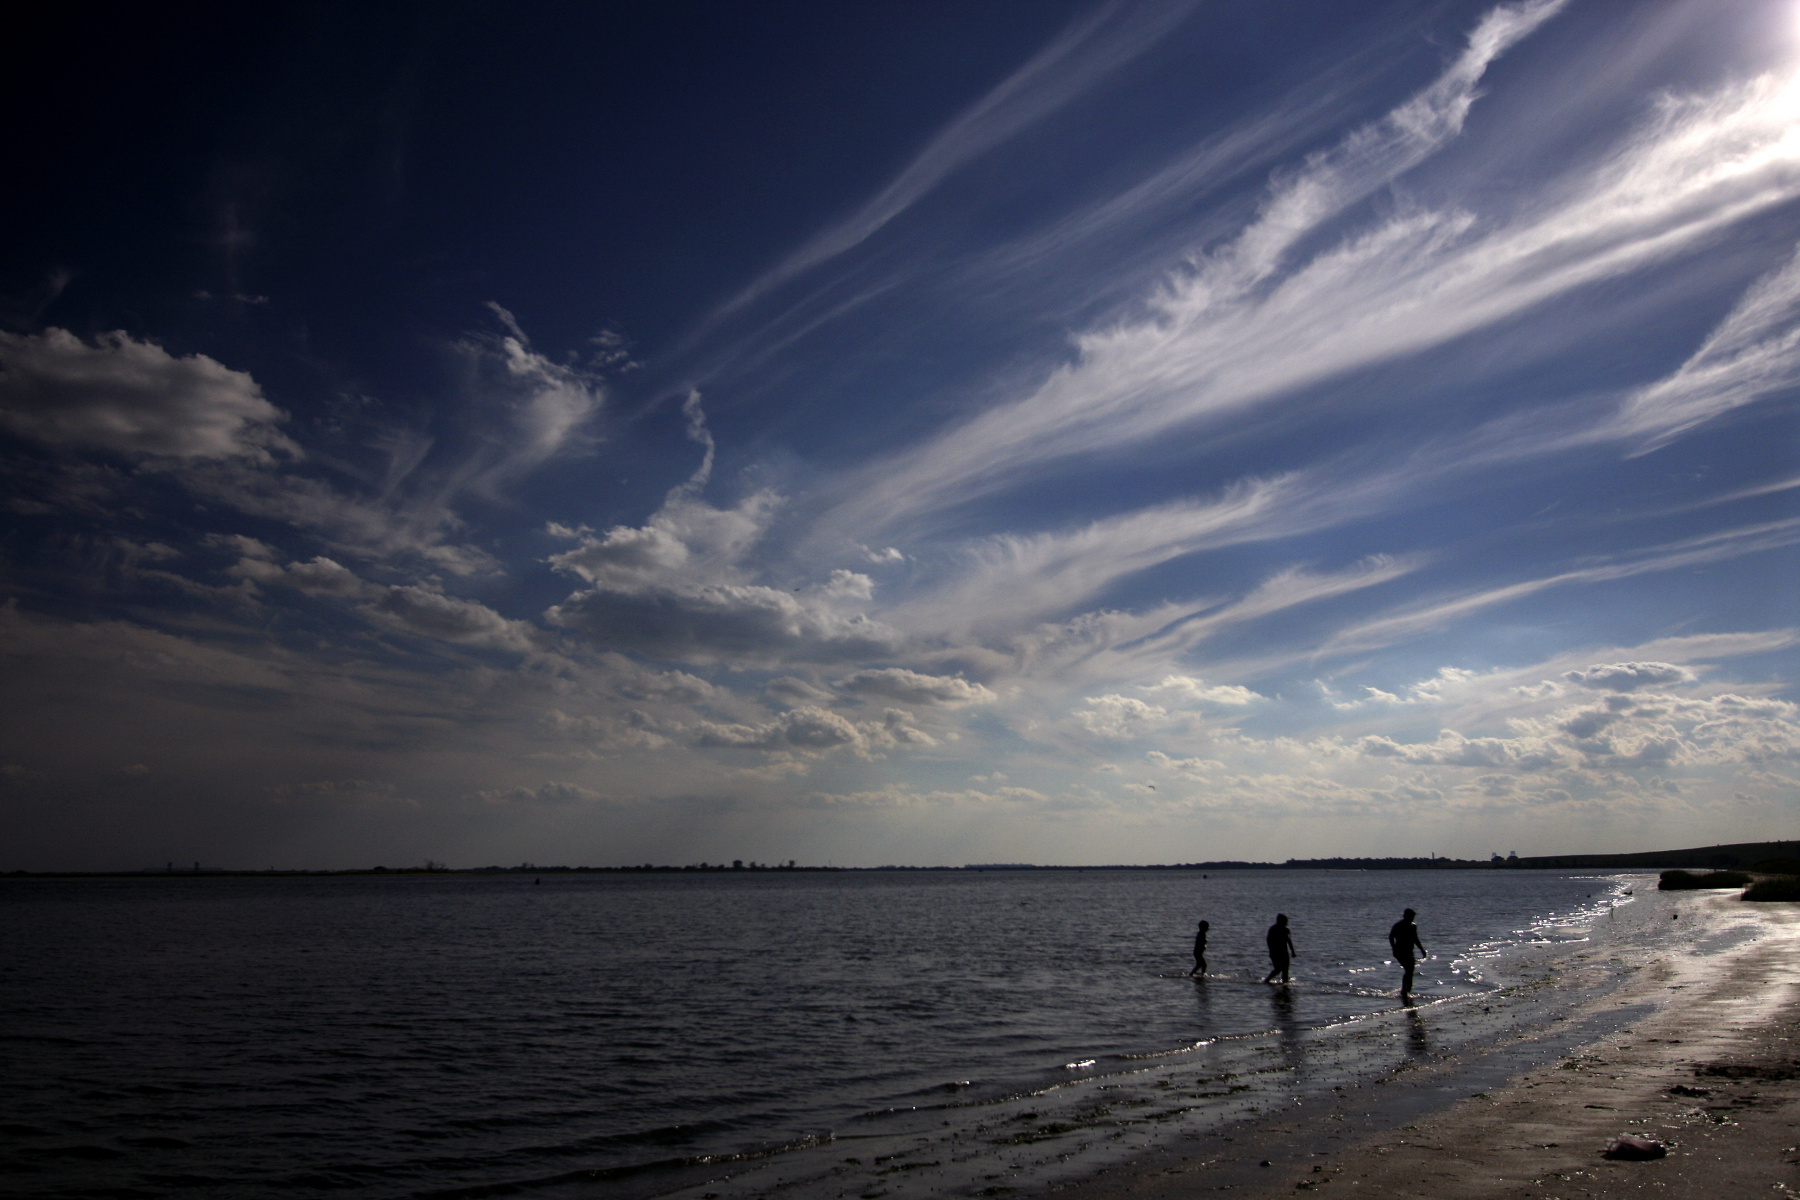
x=415, y=1035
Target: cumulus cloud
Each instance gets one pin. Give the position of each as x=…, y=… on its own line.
x=901, y=796
x=633, y=729
x=897, y=683
x=848, y=585
x=808, y=729
x=686, y=538
x=1624, y=730
x=1186, y=688
x=1116, y=716
x=1435, y=690
x=1188, y=768
x=319, y=577
x=411, y=608
x=680, y=587
x=743, y=623
x=1629, y=676
x=1452, y=749
x=786, y=689
x=120, y=395
x=552, y=792
x=641, y=683
x=432, y=614
x=1691, y=731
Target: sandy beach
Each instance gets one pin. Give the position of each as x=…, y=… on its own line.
x=1703, y=1055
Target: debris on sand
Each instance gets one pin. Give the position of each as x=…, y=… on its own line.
x=1634, y=1149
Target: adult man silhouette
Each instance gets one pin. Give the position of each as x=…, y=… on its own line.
x=1404, y=938
x=1281, y=950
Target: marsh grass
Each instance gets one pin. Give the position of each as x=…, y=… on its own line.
x=1681, y=881
x=1783, y=887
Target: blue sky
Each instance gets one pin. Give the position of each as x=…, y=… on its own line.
x=935, y=433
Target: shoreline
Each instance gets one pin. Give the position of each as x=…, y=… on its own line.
x=1539, y=994
x=1530, y=1119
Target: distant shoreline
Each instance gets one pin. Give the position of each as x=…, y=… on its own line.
x=1733, y=856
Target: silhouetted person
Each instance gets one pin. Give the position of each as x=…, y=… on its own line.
x=1404, y=938
x=1281, y=950
x=1200, y=949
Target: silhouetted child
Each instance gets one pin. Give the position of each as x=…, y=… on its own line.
x=1281, y=950
x=1404, y=938
x=1200, y=949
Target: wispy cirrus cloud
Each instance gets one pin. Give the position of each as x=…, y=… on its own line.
x=1754, y=352
x=1089, y=52
x=1718, y=546
x=1264, y=316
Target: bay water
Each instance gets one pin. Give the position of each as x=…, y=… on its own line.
x=486, y=1034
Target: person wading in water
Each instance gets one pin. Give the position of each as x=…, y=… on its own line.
x=1404, y=938
x=1200, y=949
x=1281, y=950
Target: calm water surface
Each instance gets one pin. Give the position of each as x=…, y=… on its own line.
x=408, y=1035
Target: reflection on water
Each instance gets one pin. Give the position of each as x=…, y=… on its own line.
x=1287, y=1023
x=1418, y=1044
x=1203, y=1018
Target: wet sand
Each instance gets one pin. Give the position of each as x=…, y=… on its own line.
x=1724, y=1027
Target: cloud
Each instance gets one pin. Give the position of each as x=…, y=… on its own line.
x=119, y=395
x=1625, y=731
x=808, y=729
x=681, y=587
x=685, y=541
x=1225, y=334
x=320, y=577
x=805, y=727
x=788, y=690
x=1302, y=295
x=738, y=623
x=553, y=792
x=1629, y=676
x=384, y=527
x=1717, y=546
x=546, y=407
x=1187, y=688
x=1754, y=352
x=411, y=608
x=516, y=411
x=1188, y=768
x=897, y=683
x=432, y=614
x=633, y=729
x=1429, y=691
x=1070, y=65
x=1452, y=749
x=686, y=538
x=1120, y=717
x=847, y=585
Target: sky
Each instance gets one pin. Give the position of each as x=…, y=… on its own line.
x=1030, y=431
